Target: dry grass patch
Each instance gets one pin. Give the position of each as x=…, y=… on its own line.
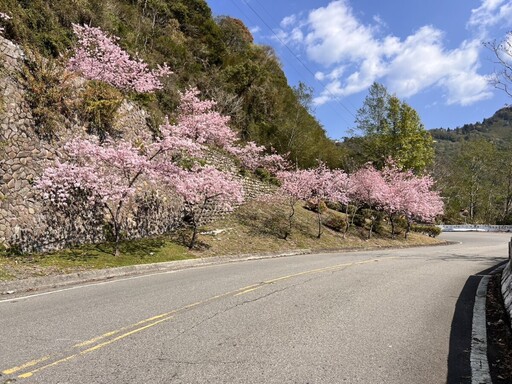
x=259, y=227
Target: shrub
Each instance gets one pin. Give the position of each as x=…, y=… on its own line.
x=49, y=91
x=335, y=222
x=100, y=103
x=430, y=230
x=334, y=205
x=314, y=207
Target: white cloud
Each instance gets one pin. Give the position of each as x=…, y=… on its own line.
x=254, y=30
x=490, y=14
x=355, y=55
x=289, y=21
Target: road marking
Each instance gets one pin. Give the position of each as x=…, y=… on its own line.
x=155, y=320
x=478, y=357
x=95, y=348
x=26, y=365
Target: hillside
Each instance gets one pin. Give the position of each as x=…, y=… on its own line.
x=216, y=55
x=496, y=129
x=474, y=170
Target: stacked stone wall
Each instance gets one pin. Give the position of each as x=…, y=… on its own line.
x=24, y=155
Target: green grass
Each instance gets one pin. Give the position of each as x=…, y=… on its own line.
x=144, y=251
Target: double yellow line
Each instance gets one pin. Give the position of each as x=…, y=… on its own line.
x=111, y=337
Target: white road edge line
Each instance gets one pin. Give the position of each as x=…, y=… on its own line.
x=479, y=365
x=86, y=285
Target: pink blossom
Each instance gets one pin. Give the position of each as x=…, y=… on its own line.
x=98, y=57
x=204, y=189
x=199, y=121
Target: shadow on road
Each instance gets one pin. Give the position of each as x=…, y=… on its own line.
x=459, y=368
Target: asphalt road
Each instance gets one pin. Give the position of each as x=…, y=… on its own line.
x=358, y=317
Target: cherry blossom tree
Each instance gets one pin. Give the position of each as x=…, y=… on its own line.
x=295, y=186
x=205, y=189
x=408, y=195
x=326, y=185
x=423, y=203
x=340, y=192
x=314, y=185
x=199, y=121
x=112, y=172
x=97, y=56
x=253, y=156
x=97, y=173
x=366, y=187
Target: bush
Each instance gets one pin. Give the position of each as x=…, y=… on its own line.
x=100, y=104
x=49, y=91
x=311, y=206
x=265, y=176
x=336, y=222
x=334, y=205
x=430, y=230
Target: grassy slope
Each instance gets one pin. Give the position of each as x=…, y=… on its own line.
x=253, y=228
x=256, y=228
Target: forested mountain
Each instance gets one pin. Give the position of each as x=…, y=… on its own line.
x=216, y=55
x=474, y=169
x=496, y=129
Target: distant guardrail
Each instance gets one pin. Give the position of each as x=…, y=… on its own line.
x=475, y=228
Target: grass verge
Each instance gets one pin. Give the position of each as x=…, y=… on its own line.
x=87, y=257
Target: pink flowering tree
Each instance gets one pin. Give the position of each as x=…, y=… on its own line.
x=340, y=192
x=325, y=187
x=96, y=173
x=204, y=190
x=254, y=156
x=108, y=175
x=407, y=195
x=423, y=202
x=295, y=186
x=97, y=56
x=366, y=187
x=399, y=186
x=315, y=186
x=198, y=120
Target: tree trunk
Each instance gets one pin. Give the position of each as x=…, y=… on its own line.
x=117, y=239
x=290, y=217
x=319, y=216
x=194, y=236
x=347, y=222
x=408, y=229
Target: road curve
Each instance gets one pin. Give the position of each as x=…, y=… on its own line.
x=357, y=317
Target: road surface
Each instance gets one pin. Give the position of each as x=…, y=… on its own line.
x=357, y=317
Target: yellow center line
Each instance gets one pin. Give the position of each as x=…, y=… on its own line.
x=95, y=348
x=155, y=320
x=26, y=365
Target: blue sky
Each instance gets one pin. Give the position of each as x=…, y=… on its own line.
x=428, y=53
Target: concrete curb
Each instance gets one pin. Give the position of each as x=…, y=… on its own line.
x=57, y=281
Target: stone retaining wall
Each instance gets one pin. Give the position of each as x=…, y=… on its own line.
x=24, y=155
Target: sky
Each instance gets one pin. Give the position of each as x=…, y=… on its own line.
x=430, y=54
